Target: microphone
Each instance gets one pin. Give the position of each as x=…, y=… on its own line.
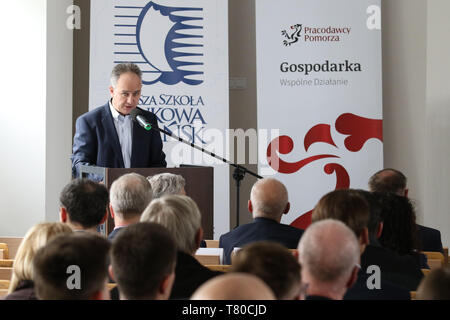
x=137, y=116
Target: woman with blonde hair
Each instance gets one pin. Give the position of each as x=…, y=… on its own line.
x=21, y=286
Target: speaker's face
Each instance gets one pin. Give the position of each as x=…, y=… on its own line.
x=125, y=95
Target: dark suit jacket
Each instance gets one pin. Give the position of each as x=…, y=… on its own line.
x=429, y=239
x=261, y=229
x=189, y=275
x=96, y=142
x=24, y=291
x=114, y=233
x=400, y=270
x=387, y=291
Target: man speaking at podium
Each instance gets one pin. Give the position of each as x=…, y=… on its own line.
x=107, y=136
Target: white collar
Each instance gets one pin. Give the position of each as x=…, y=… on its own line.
x=114, y=112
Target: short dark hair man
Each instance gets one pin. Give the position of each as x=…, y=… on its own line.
x=107, y=136
x=394, y=181
x=84, y=204
x=72, y=267
x=143, y=259
x=274, y=264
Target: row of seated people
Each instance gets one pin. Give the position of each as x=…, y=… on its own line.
x=143, y=261
x=386, y=238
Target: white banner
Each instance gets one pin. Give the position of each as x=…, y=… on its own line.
x=182, y=48
x=320, y=84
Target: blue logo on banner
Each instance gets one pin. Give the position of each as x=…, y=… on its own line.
x=166, y=43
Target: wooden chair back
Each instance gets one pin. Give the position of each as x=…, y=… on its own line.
x=3, y=293
x=219, y=267
x=5, y=273
x=425, y=271
x=445, y=256
x=111, y=286
x=4, y=284
x=6, y=263
x=5, y=250
x=435, y=259
x=207, y=259
x=13, y=245
x=212, y=243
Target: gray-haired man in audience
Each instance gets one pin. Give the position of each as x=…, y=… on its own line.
x=329, y=256
x=167, y=184
x=129, y=196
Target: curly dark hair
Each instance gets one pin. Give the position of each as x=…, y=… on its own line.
x=86, y=201
x=399, y=229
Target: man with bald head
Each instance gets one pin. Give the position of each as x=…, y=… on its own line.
x=234, y=286
x=329, y=256
x=268, y=202
x=394, y=181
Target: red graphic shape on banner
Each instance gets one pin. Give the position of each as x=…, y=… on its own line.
x=319, y=133
x=342, y=177
x=359, y=130
x=285, y=145
x=303, y=221
x=342, y=182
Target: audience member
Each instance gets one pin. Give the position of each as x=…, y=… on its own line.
x=129, y=196
x=165, y=184
x=272, y=263
x=234, y=286
x=181, y=216
x=268, y=202
x=400, y=270
x=73, y=267
x=394, y=181
x=435, y=286
x=399, y=227
x=84, y=205
x=143, y=259
x=22, y=281
x=329, y=256
x=351, y=208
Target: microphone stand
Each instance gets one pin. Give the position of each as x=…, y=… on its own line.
x=239, y=171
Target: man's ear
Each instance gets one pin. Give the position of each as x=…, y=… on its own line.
x=353, y=277
x=111, y=211
x=63, y=214
x=165, y=287
x=406, y=192
x=250, y=206
x=287, y=208
x=199, y=237
x=111, y=90
x=380, y=229
x=364, y=237
x=111, y=272
x=104, y=218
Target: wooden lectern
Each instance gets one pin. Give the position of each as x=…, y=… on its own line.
x=199, y=186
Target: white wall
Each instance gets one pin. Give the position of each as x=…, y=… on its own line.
x=437, y=119
x=59, y=104
x=32, y=167
x=416, y=51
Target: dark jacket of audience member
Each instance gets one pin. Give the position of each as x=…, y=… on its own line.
x=268, y=203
